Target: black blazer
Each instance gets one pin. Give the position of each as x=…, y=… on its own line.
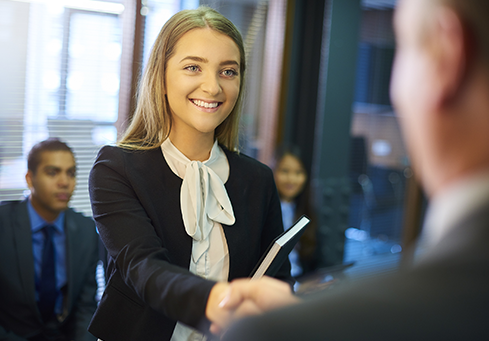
x=444, y=297
x=136, y=205
x=19, y=315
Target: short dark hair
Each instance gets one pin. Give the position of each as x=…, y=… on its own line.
x=52, y=145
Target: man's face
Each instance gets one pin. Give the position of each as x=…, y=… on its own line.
x=52, y=184
x=413, y=80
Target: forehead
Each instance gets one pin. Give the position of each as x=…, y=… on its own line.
x=208, y=43
x=59, y=158
x=289, y=160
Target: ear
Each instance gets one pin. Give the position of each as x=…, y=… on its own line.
x=28, y=178
x=451, y=51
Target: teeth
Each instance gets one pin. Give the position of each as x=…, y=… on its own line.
x=205, y=104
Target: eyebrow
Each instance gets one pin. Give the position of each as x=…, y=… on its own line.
x=204, y=60
x=58, y=169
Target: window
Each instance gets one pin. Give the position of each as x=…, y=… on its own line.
x=61, y=62
x=379, y=167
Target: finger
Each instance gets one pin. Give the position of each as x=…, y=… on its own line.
x=247, y=308
x=237, y=293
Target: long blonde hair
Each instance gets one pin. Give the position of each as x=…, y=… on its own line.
x=152, y=122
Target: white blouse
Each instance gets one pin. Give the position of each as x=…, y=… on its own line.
x=205, y=205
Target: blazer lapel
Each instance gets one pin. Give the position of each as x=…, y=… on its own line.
x=25, y=259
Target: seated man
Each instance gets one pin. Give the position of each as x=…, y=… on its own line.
x=49, y=254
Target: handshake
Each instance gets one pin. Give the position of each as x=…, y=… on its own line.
x=229, y=302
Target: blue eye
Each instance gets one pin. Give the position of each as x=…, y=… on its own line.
x=192, y=68
x=230, y=73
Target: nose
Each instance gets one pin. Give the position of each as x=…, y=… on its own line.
x=211, y=84
x=64, y=180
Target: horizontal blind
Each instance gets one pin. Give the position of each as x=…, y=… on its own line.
x=60, y=67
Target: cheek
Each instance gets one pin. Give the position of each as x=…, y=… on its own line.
x=232, y=91
x=302, y=181
x=279, y=180
x=401, y=82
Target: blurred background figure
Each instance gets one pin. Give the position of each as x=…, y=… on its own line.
x=292, y=183
x=42, y=296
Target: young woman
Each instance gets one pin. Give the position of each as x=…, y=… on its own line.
x=178, y=209
x=292, y=185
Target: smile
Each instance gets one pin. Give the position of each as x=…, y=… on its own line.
x=206, y=105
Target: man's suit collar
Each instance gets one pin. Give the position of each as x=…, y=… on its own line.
x=450, y=207
x=23, y=245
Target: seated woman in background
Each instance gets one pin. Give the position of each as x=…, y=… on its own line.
x=293, y=189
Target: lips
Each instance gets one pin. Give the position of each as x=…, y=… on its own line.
x=63, y=196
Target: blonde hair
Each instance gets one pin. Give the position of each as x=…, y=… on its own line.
x=152, y=122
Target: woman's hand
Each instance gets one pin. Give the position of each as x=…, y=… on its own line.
x=243, y=297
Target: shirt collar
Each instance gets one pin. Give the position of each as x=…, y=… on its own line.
x=178, y=162
x=37, y=222
x=453, y=204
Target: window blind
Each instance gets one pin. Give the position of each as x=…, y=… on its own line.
x=60, y=67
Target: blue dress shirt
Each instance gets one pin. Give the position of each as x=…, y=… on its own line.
x=59, y=239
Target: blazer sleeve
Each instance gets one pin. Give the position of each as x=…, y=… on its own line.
x=132, y=242
x=9, y=336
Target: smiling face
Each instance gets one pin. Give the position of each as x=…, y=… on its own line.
x=202, y=82
x=52, y=184
x=290, y=177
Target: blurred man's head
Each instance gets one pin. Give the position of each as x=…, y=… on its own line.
x=51, y=177
x=439, y=87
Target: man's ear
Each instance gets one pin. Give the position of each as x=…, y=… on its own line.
x=451, y=50
x=28, y=178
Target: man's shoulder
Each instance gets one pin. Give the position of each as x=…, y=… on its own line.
x=79, y=217
x=10, y=205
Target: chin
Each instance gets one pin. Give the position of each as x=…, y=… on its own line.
x=61, y=208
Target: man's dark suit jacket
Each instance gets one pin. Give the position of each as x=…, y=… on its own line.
x=136, y=205
x=19, y=316
x=444, y=297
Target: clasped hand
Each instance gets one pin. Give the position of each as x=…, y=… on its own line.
x=244, y=297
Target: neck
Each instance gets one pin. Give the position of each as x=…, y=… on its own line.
x=195, y=147
x=47, y=215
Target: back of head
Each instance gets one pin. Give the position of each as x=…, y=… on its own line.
x=151, y=123
x=49, y=145
x=439, y=87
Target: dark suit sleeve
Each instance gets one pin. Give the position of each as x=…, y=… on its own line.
x=9, y=336
x=85, y=306
x=132, y=241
